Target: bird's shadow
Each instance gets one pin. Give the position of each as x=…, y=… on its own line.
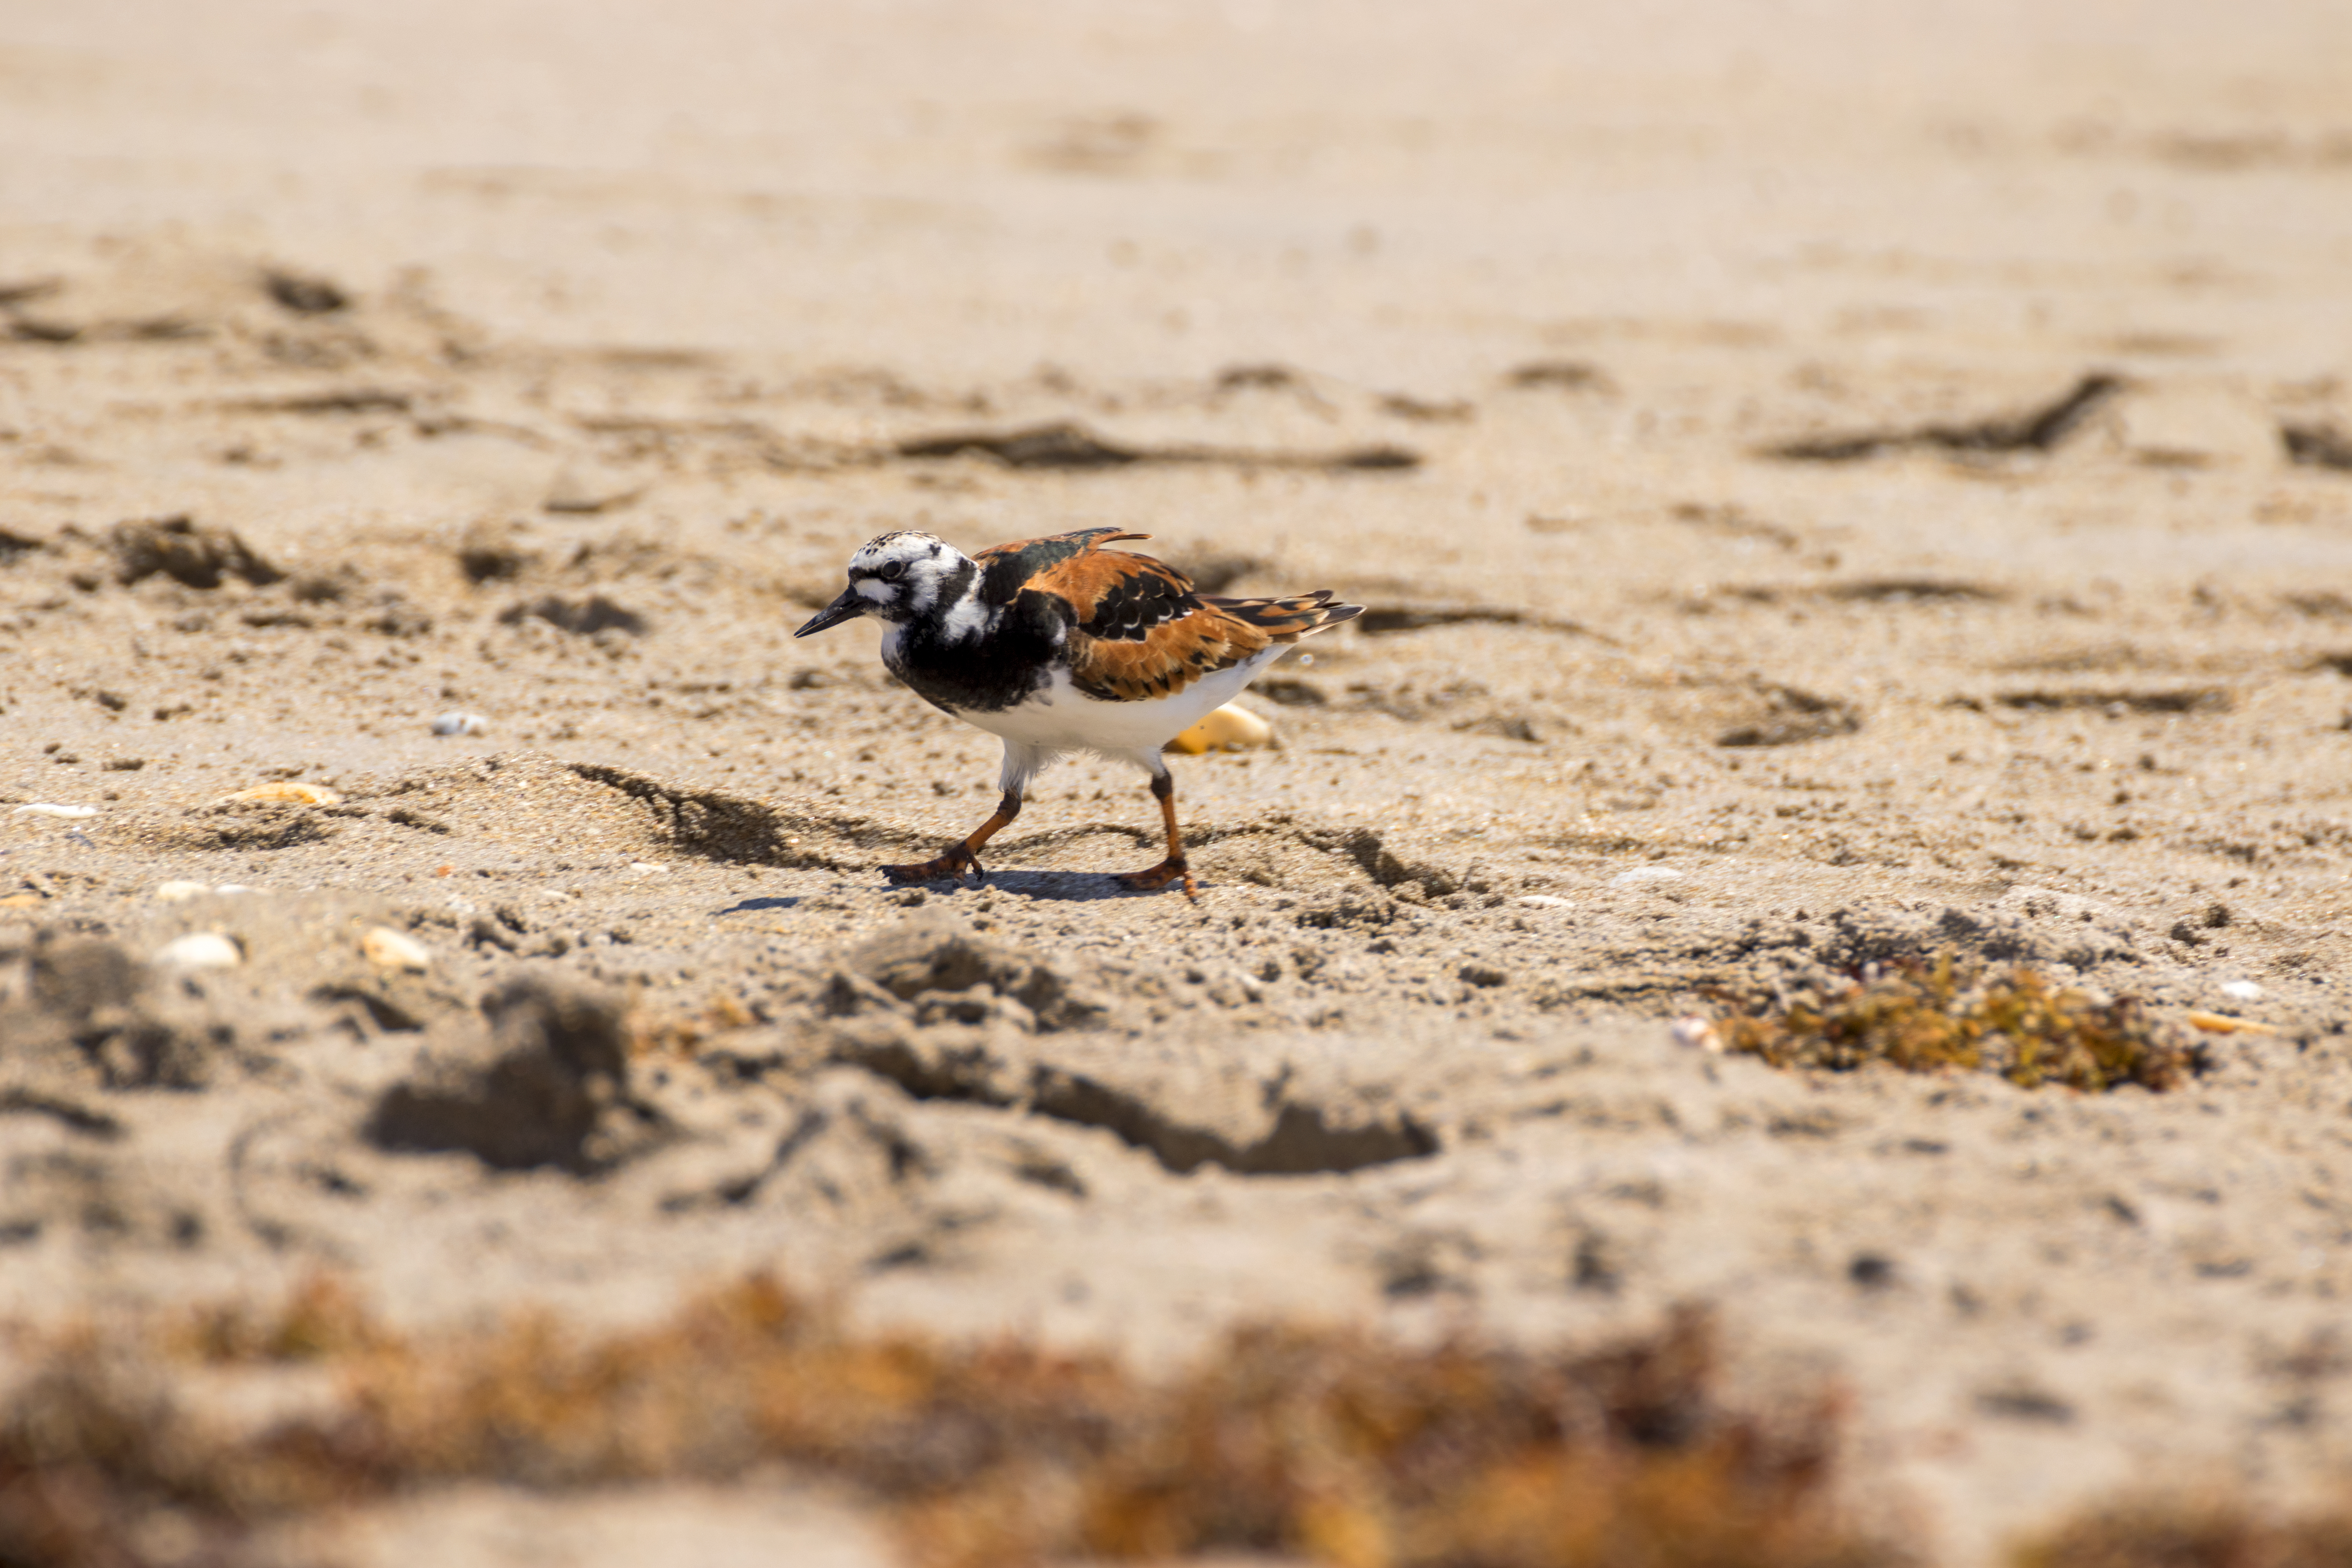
x=750, y=905
x=1046, y=887
x=1054, y=887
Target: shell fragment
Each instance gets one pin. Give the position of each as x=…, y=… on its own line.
x=44, y=808
x=388, y=949
x=1232, y=728
x=2222, y=1024
x=201, y=950
x=291, y=792
x=1696, y=1033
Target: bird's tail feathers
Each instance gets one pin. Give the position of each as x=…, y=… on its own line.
x=1290, y=617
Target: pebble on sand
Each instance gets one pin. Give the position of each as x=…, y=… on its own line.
x=2241, y=991
x=200, y=949
x=1543, y=901
x=288, y=791
x=388, y=949
x=461, y=724
x=1228, y=729
x=44, y=808
x=1645, y=876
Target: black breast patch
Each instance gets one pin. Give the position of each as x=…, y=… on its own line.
x=1003, y=671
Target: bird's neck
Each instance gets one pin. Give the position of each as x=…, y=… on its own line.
x=960, y=617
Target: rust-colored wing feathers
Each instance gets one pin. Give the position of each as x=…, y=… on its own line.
x=1212, y=634
x=1114, y=594
x=1137, y=629
x=1166, y=659
x=1006, y=569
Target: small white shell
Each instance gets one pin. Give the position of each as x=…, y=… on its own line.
x=1643, y=875
x=43, y=808
x=1543, y=901
x=201, y=950
x=460, y=724
x=179, y=892
x=388, y=949
x=2241, y=991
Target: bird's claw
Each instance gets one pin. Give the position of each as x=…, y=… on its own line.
x=948, y=866
x=1152, y=879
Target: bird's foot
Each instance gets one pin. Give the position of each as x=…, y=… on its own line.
x=949, y=865
x=1155, y=877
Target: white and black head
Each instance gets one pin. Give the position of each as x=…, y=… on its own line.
x=900, y=578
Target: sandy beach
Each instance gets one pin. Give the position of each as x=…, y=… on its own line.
x=1830, y=485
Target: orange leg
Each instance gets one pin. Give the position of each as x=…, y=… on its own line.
x=1173, y=868
x=962, y=853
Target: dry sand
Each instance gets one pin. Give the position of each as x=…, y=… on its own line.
x=595, y=346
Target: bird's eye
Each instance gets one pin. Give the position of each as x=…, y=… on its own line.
x=893, y=571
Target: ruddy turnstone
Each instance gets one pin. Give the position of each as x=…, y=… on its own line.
x=1058, y=645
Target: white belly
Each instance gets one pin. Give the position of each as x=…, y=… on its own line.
x=1061, y=719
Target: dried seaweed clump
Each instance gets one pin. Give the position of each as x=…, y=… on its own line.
x=1928, y=1018
x=1344, y=1451
x=2159, y=1534
x=1330, y=1445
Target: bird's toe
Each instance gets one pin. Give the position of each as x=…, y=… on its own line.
x=946, y=867
x=1152, y=879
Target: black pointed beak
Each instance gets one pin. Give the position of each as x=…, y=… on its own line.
x=849, y=607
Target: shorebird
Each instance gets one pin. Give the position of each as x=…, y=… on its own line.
x=1057, y=645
